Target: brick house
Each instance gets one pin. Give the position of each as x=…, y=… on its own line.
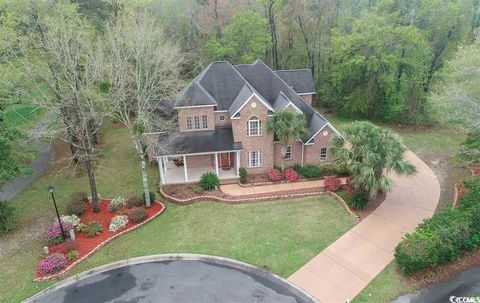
x=222, y=120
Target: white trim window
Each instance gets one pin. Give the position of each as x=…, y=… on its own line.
x=254, y=127
x=254, y=158
x=189, y=123
x=323, y=153
x=204, y=122
x=288, y=153
x=196, y=122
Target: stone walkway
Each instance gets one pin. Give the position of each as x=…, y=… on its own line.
x=237, y=190
x=344, y=268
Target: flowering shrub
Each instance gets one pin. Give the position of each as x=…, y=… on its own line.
x=52, y=264
x=134, y=201
x=72, y=220
x=291, y=175
x=332, y=183
x=137, y=214
x=274, y=175
x=118, y=222
x=116, y=204
x=53, y=234
x=69, y=245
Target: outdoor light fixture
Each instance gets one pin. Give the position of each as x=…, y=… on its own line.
x=51, y=189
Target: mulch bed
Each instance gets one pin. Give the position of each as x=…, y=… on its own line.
x=372, y=205
x=475, y=170
x=185, y=191
x=86, y=246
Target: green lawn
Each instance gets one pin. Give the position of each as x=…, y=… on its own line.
x=282, y=235
x=22, y=115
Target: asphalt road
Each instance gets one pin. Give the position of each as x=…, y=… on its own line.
x=176, y=281
x=464, y=284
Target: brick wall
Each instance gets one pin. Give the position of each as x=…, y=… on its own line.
x=263, y=142
x=296, y=154
x=226, y=119
x=200, y=161
x=312, y=152
x=183, y=113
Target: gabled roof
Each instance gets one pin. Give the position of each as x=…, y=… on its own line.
x=228, y=87
x=301, y=80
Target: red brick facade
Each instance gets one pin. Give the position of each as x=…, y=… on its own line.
x=296, y=154
x=322, y=140
x=183, y=113
x=222, y=119
x=201, y=161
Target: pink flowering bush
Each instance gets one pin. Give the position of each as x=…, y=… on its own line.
x=274, y=175
x=291, y=175
x=53, y=234
x=52, y=264
x=332, y=183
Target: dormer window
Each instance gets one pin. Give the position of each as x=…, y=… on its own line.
x=254, y=127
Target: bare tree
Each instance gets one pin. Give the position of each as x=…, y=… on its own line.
x=62, y=57
x=142, y=68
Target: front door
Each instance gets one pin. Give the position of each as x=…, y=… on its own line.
x=225, y=160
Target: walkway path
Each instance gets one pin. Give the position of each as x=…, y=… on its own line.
x=45, y=156
x=344, y=268
x=237, y=190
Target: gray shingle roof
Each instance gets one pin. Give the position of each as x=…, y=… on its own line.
x=196, y=142
x=228, y=87
x=281, y=102
x=301, y=80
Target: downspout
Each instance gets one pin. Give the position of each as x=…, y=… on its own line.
x=303, y=146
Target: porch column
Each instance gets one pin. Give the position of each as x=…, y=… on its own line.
x=160, y=168
x=216, y=165
x=238, y=163
x=185, y=170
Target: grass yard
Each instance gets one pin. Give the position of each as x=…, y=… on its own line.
x=282, y=235
x=22, y=115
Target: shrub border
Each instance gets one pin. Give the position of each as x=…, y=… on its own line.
x=65, y=270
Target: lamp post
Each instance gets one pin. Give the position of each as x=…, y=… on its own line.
x=51, y=190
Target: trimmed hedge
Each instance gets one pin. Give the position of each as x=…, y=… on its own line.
x=444, y=237
x=311, y=171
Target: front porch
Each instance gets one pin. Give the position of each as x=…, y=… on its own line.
x=189, y=168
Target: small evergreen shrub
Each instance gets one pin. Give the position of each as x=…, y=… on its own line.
x=116, y=204
x=359, y=200
x=92, y=229
x=290, y=174
x=134, y=201
x=151, y=194
x=53, y=234
x=274, y=175
x=118, y=222
x=137, y=214
x=297, y=167
x=209, y=181
x=52, y=264
x=242, y=171
x=310, y=171
x=332, y=183
x=8, y=221
x=198, y=190
x=77, y=204
x=73, y=255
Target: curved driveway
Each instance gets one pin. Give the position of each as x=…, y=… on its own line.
x=345, y=267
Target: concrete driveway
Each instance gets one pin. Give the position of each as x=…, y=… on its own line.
x=345, y=267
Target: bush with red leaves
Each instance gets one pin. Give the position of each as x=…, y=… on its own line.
x=274, y=175
x=137, y=214
x=291, y=175
x=332, y=183
x=69, y=245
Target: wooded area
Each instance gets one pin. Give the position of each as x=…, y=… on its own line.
x=384, y=60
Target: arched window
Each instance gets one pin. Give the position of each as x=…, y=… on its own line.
x=254, y=127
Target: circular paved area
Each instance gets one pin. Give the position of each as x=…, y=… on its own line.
x=200, y=280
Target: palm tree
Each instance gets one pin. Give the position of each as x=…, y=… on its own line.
x=371, y=152
x=287, y=126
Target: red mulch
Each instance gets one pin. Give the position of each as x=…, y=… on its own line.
x=104, y=216
x=475, y=170
x=185, y=191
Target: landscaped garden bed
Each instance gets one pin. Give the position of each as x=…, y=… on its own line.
x=92, y=231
